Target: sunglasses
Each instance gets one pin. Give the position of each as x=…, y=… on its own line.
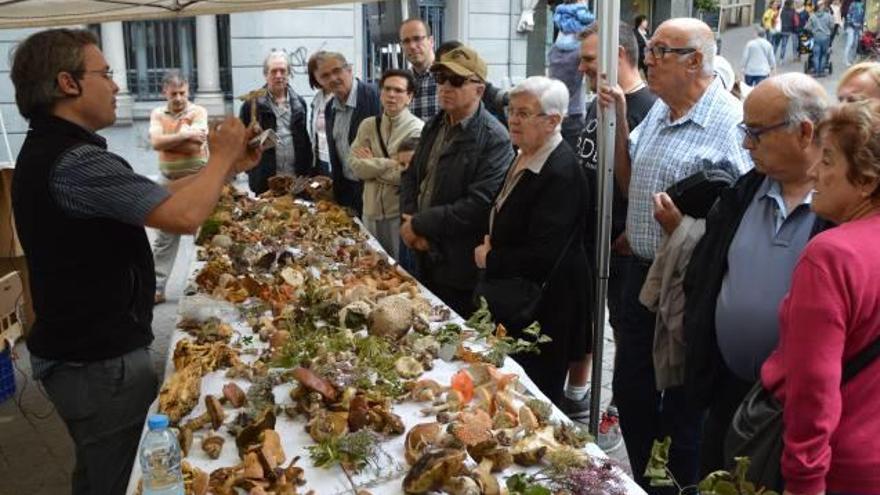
x=455, y=80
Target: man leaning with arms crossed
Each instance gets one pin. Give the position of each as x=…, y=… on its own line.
x=179, y=132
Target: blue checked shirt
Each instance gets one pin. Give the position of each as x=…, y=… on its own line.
x=424, y=104
x=663, y=153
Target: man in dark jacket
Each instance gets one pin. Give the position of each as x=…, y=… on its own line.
x=80, y=211
x=742, y=267
x=283, y=111
x=353, y=101
x=446, y=192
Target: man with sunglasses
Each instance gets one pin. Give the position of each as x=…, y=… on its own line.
x=692, y=123
x=447, y=190
x=743, y=265
x=80, y=211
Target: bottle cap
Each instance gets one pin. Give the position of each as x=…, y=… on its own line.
x=157, y=421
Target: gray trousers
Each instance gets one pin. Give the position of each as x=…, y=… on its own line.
x=104, y=404
x=164, y=251
x=387, y=232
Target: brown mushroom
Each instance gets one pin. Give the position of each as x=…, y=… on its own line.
x=419, y=438
x=426, y=390
x=433, y=469
x=488, y=483
x=195, y=481
x=328, y=424
x=358, y=413
x=213, y=415
x=185, y=439
x=461, y=485
x=312, y=381
x=234, y=395
x=492, y=450
x=250, y=434
x=252, y=467
x=271, y=443
x=212, y=446
x=454, y=402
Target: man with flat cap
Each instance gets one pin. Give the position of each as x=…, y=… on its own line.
x=457, y=169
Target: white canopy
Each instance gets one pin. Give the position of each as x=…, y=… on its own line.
x=43, y=13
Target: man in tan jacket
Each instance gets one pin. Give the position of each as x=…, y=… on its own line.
x=374, y=159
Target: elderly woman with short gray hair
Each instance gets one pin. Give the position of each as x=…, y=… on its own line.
x=536, y=228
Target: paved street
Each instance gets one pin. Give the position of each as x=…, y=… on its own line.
x=36, y=455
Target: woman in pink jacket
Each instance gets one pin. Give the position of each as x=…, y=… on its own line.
x=832, y=311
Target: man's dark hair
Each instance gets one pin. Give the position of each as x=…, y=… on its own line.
x=174, y=78
x=410, y=80
x=420, y=21
x=409, y=144
x=626, y=39
x=37, y=61
x=447, y=47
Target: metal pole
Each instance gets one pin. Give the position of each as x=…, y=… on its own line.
x=608, y=18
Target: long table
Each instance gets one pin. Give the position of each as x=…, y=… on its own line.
x=295, y=439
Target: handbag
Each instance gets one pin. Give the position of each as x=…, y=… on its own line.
x=756, y=429
x=514, y=301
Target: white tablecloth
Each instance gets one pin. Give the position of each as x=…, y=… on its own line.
x=295, y=439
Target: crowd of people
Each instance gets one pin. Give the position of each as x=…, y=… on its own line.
x=481, y=192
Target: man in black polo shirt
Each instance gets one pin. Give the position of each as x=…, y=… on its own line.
x=80, y=212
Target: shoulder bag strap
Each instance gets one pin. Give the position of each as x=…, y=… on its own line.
x=559, y=258
x=379, y=133
x=861, y=360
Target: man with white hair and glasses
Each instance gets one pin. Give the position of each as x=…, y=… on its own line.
x=693, y=125
x=743, y=265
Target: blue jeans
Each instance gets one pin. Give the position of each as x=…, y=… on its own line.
x=850, y=52
x=754, y=80
x=646, y=414
x=783, y=44
x=820, y=54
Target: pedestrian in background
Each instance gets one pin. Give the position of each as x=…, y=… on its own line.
x=770, y=23
x=758, y=60
x=836, y=12
x=570, y=18
x=788, y=30
x=855, y=19
x=820, y=26
x=179, y=132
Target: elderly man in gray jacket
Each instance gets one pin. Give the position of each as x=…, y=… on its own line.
x=456, y=171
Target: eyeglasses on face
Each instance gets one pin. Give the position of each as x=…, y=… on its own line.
x=522, y=115
x=413, y=40
x=455, y=80
x=754, y=133
x=659, y=51
x=106, y=73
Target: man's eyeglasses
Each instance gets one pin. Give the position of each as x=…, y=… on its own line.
x=455, y=80
x=413, y=39
x=755, y=133
x=108, y=73
x=658, y=51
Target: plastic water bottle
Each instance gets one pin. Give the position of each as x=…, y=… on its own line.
x=160, y=459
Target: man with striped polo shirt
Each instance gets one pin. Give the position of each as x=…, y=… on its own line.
x=179, y=132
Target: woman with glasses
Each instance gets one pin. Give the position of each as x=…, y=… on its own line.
x=536, y=228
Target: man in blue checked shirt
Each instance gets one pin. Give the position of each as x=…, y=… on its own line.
x=694, y=122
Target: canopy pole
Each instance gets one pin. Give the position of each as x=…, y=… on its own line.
x=608, y=18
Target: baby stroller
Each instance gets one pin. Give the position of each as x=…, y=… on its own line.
x=806, y=48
